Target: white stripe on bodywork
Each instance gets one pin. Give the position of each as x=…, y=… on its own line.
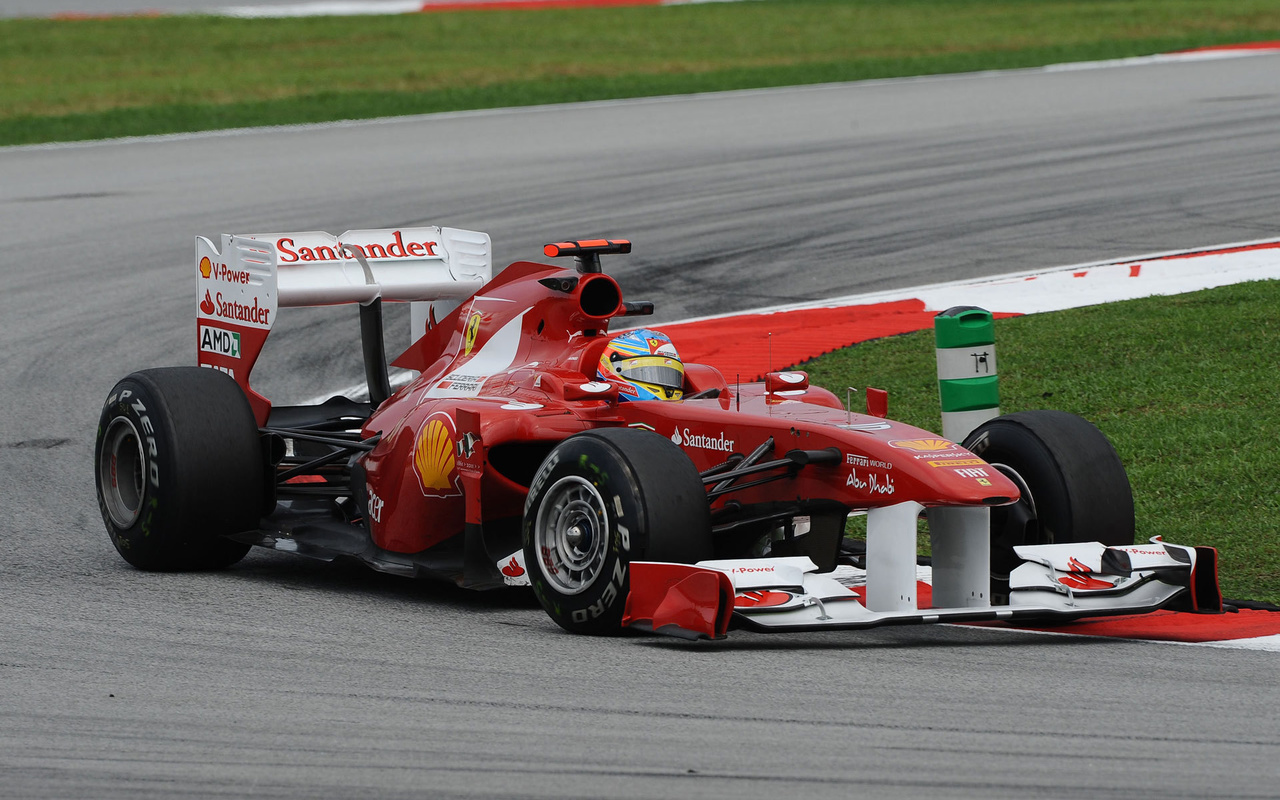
x=497, y=355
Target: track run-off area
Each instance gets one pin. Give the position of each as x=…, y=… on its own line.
x=289, y=678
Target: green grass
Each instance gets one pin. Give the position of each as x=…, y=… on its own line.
x=65, y=80
x=1185, y=387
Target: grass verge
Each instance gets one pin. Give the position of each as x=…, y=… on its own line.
x=1184, y=386
x=65, y=80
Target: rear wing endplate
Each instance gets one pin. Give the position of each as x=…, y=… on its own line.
x=240, y=288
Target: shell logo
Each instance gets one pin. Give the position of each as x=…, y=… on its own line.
x=433, y=457
x=473, y=330
x=206, y=267
x=924, y=445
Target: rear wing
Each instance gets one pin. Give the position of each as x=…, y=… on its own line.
x=240, y=289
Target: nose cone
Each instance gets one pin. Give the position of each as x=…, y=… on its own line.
x=943, y=472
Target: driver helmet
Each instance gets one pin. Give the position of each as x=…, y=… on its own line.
x=644, y=365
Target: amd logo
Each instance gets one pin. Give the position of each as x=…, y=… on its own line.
x=219, y=341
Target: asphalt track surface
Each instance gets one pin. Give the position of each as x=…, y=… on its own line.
x=289, y=678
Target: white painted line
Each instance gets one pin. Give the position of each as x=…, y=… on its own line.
x=320, y=9
x=1035, y=291
x=1267, y=644
x=347, y=8
x=1164, y=58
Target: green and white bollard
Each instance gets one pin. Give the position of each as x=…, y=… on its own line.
x=967, y=381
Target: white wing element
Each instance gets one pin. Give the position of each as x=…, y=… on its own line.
x=314, y=268
x=1056, y=582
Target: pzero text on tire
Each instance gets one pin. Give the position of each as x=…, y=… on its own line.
x=178, y=466
x=1074, y=487
x=601, y=500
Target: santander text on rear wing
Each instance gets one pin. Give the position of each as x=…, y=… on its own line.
x=240, y=288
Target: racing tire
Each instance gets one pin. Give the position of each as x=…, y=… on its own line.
x=601, y=500
x=1074, y=487
x=178, y=466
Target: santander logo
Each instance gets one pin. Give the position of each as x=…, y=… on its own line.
x=702, y=441
x=291, y=253
x=221, y=308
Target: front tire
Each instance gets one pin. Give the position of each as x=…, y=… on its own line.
x=599, y=501
x=178, y=466
x=1074, y=487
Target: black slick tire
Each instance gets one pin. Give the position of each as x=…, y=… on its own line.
x=1074, y=486
x=601, y=500
x=178, y=466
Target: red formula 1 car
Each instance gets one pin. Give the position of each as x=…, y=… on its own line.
x=628, y=488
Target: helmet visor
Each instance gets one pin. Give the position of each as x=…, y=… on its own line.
x=664, y=372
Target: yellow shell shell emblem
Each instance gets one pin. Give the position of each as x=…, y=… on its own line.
x=924, y=445
x=473, y=330
x=206, y=267
x=433, y=457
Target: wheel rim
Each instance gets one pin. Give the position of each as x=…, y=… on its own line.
x=571, y=535
x=121, y=472
x=1013, y=525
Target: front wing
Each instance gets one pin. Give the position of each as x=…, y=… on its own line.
x=1055, y=583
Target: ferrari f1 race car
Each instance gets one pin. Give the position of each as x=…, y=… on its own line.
x=628, y=488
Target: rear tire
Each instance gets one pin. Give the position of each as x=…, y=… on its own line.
x=178, y=467
x=1074, y=487
x=599, y=501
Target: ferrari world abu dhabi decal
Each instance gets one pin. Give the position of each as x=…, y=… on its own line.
x=858, y=460
x=496, y=355
x=700, y=441
x=870, y=482
x=433, y=457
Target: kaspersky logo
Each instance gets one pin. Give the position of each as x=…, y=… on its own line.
x=219, y=341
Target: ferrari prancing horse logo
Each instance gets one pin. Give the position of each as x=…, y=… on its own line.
x=472, y=331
